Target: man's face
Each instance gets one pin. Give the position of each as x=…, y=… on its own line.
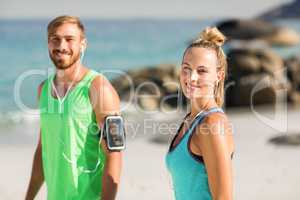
x=64, y=45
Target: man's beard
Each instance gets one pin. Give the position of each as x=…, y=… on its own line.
x=60, y=64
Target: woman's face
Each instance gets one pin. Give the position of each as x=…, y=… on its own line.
x=198, y=73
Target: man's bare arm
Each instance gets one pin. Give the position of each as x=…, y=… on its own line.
x=37, y=175
x=106, y=101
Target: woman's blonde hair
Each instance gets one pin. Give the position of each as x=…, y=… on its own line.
x=212, y=38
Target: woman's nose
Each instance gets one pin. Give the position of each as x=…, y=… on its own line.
x=194, y=75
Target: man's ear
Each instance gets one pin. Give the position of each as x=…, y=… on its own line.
x=83, y=45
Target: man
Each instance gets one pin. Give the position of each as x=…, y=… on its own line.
x=73, y=104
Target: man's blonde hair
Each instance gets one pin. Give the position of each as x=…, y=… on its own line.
x=65, y=19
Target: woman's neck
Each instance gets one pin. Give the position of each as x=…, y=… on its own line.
x=201, y=105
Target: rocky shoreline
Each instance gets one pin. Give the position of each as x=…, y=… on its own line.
x=256, y=74
x=288, y=10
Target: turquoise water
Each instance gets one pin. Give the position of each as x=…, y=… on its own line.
x=112, y=44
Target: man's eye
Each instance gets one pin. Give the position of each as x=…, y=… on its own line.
x=54, y=39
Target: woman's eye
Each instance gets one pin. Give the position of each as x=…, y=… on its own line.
x=200, y=71
x=186, y=69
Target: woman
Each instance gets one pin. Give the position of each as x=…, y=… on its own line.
x=199, y=157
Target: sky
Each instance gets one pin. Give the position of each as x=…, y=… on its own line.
x=136, y=8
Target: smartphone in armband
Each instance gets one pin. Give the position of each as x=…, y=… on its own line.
x=114, y=132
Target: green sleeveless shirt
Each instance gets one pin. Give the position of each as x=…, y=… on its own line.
x=73, y=159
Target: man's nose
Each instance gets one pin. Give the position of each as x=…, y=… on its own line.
x=62, y=44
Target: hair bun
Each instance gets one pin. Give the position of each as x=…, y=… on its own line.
x=212, y=34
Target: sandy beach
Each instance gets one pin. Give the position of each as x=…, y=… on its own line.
x=262, y=170
x=146, y=50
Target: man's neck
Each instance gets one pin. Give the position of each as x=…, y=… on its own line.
x=71, y=74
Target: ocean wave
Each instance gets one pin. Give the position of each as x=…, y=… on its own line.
x=16, y=117
x=129, y=111
x=132, y=111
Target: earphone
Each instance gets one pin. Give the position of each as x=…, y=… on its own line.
x=82, y=50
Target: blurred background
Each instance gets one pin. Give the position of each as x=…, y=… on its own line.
x=146, y=40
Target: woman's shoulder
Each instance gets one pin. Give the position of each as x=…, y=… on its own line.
x=215, y=129
x=214, y=123
x=216, y=117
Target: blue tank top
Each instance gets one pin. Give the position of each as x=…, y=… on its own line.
x=189, y=176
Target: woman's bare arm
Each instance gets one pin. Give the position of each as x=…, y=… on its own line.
x=214, y=139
